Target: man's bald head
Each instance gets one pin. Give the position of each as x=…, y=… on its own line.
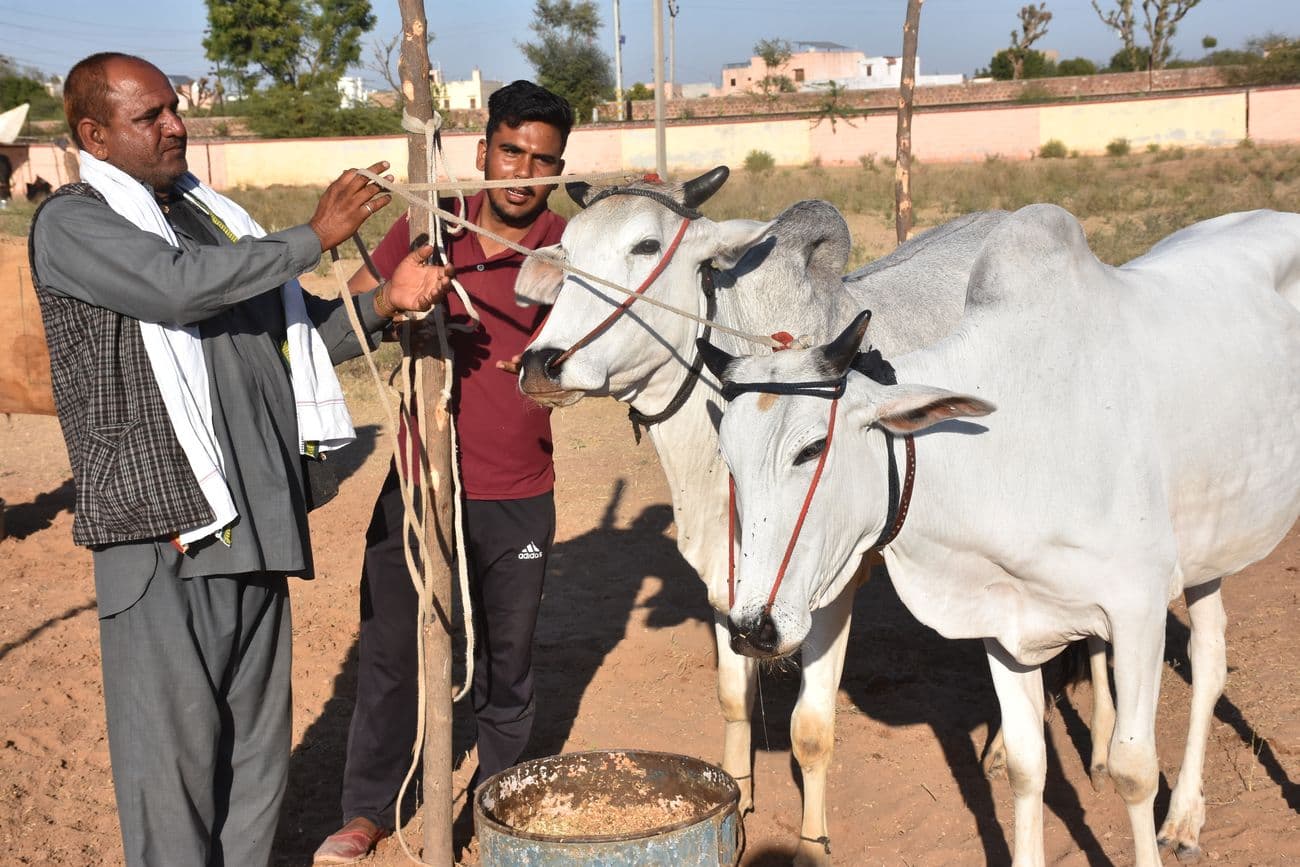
x=123, y=111
x=86, y=90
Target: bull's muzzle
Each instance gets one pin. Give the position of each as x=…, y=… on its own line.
x=540, y=379
x=754, y=636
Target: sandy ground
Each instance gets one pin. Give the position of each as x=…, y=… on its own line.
x=625, y=659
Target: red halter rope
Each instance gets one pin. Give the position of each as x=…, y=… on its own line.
x=887, y=535
x=627, y=302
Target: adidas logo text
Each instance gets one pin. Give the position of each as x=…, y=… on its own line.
x=530, y=552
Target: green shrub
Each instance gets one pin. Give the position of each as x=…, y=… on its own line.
x=1153, y=148
x=284, y=112
x=1076, y=66
x=1034, y=93
x=1118, y=147
x=759, y=162
x=868, y=162
x=1053, y=150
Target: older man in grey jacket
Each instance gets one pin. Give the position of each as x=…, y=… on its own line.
x=193, y=479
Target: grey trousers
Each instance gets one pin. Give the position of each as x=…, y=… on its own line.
x=196, y=689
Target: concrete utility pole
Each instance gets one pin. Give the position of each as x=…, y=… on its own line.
x=661, y=138
x=618, y=62
x=672, y=48
x=437, y=509
x=906, y=93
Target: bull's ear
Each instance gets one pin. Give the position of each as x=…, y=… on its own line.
x=838, y=354
x=715, y=359
x=905, y=409
x=697, y=191
x=540, y=279
x=579, y=191
x=734, y=238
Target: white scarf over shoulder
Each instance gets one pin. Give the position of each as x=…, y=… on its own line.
x=176, y=352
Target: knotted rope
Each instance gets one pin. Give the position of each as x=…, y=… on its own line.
x=413, y=383
x=404, y=192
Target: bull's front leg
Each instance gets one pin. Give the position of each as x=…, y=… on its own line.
x=736, y=677
x=1020, y=697
x=812, y=727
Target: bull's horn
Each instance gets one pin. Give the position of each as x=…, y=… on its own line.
x=579, y=191
x=697, y=191
x=838, y=354
x=715, y=359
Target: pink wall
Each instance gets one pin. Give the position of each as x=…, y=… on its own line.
x=936, y=135
x=1273, y=115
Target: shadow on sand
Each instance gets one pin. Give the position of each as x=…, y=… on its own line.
x=898, y=672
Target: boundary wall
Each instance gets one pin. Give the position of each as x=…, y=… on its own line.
x=1213, y=119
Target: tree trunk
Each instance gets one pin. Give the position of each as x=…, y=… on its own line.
x=414, y=72
x=906, y=91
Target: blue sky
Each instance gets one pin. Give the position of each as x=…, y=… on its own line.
x=956, y=35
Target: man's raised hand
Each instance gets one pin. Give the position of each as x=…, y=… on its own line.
x=346, y=204
x=415, y=285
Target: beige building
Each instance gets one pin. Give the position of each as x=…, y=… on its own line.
x=811, y=61
x=815, y=64
x=473, y=93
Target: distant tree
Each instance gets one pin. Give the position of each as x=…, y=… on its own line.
x=1276, y=60
x=299, y=44
x=565, y=57
x=1230, y=57
x=1076, y=66
x=1033, y=26
x=638, y=91
x=1209, y=43
x=287, y=112
x=1122, y=21
x=832, y=106
x=1160, y=22
x=1034, y=64
x=19, y=84
x=774, y=53
x=382, y=62
x=1162, y=17
x=1125, y=60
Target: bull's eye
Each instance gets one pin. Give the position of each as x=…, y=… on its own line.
x=810, y=452
x=648, y=247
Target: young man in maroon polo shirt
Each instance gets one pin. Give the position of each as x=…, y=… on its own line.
x=505, y=454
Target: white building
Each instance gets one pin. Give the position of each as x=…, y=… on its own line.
x=814, y=65
x=469, y=94
x=883, y=72
x=353, y=92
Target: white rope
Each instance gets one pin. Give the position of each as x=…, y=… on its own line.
x=453, y=184
x=401, y=190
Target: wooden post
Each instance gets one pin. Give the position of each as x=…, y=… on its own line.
x=661, y=136
x=414, y=71
x=906, y=92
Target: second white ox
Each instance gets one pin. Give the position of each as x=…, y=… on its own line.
x=783, y=275
x=1146, y=443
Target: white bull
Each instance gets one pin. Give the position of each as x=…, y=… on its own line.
x=783, y=275
x=1145, y=445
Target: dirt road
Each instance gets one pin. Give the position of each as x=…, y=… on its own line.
x=625, y=658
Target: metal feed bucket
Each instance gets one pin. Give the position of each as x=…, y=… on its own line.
x=592, y=809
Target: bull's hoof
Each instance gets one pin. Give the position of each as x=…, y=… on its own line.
x=1184, y=852
x=813, y=853
x=1100, y=779
x=994, y=763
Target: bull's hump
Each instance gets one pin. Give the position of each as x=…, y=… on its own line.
x=1030, y=255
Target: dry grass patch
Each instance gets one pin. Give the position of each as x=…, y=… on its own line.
x=1125, y=203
